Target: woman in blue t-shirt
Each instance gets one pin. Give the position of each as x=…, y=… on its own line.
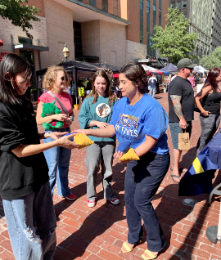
x=140, y=122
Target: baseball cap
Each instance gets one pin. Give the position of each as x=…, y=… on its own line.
x=185, y=63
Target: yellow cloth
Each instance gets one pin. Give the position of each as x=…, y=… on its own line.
x=129, y=156
x=83, y=140
x=81, y=92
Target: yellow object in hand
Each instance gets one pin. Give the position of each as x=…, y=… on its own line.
x=130, y=156
x=82, y=140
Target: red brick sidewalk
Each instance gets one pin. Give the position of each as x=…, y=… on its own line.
x=98, y=233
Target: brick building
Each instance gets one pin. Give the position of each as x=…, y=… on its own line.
x=111, y=31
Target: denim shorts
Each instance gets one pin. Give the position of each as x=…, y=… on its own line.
x=175, y=130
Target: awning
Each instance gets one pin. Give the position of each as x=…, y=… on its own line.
x=29, y=47
x=150, y=69
x=1, y=42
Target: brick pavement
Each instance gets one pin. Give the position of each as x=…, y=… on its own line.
x=98, y=233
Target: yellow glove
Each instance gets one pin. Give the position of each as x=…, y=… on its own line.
x=130, y=156
x=83, y=140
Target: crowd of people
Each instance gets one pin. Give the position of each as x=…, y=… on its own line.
x=30, y=169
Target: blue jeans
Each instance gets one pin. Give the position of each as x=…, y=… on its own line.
x=142, y=181
x=152, y=92
x=58, y=159
x=31, y=223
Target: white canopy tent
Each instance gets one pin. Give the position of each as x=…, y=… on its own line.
x=200, y=69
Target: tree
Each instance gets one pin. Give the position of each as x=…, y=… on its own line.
x=175, y=42
x=19, y=14
x=212, y=60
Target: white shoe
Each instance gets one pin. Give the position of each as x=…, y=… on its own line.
x=91, y=203
x=114, y=201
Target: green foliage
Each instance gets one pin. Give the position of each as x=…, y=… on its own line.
x=212, y=60
x=33, y=90
x=19, y=14
x=175, y=42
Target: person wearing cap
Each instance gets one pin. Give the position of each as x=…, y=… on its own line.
x=181, y=110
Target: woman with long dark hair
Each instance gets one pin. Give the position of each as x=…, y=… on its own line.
x=96, y=112
x=24, y=186
x=140, y=123
x=208, y=102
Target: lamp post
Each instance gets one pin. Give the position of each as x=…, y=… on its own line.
x=66, y=52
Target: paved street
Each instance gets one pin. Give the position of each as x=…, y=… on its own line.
x=98, y=233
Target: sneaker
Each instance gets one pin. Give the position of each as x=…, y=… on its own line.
x=91, y=203
x=71, y=197
x=114, y=201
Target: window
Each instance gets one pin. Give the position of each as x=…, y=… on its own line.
x=148, y=15
x=150, y=51
x=173, y=5
x=184, y=4
x=93, y=3
x=24, y=40
x=141, y=21
x=115, y=3
x=105, y=5
x=160, y=4
x=178, y=5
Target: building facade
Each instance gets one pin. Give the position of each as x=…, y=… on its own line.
x=111, y=31
x=216, y=30
x=204, y=20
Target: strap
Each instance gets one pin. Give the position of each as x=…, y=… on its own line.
x=59, y=102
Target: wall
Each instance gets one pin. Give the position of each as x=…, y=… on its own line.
x=39, y=31
x=59, y=22
x=90, y=35
x=135, y=50
x=105, y=40
x=38, y=4
x=112, y=43
x=133, y=29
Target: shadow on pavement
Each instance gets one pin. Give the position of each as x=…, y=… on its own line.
x=97, y=223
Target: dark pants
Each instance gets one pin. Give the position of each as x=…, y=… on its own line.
x=142, y=181
x=209, y=125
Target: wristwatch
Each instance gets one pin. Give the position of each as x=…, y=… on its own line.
x=71, y=117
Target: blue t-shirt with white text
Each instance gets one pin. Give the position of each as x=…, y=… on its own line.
x=133, y=123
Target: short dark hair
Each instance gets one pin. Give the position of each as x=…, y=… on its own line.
x=136, y=73
x=13, y=64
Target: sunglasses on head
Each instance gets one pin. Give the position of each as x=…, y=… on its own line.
x=63, y=78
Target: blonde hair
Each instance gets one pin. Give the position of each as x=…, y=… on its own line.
x=50, y=77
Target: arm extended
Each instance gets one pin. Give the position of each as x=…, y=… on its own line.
x=109, y=131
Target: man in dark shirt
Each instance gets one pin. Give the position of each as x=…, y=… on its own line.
x=197, y=79
x=181, y=110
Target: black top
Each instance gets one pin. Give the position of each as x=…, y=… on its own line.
x=212, y=103
x=197, y=79
x=19, y=176
x=181, y=87
x=89, y=86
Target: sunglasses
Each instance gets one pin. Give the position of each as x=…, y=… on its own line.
x=63, y=78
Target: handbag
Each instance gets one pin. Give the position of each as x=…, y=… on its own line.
x=59, y=102
x=184, y=141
